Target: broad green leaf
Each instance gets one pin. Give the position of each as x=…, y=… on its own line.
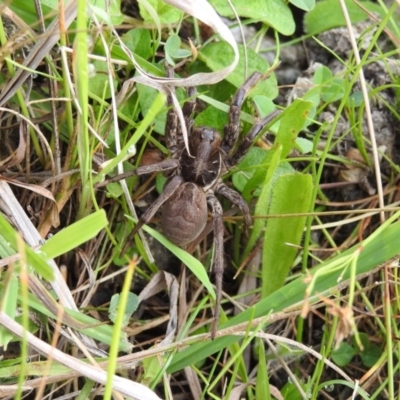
x=290, y=391
x=173, y=49
x=107, y=11
x=304, y=145
x=321, y=75
x=218, y=55
x=264, y=104
x=327, y=14
x=99, y=84
x=147, y=95
x=74, y=235
x=333, y=91
x=262, y=203
x=364, y=339
x=253, y=176
x=370, y=356
x=253, y=162
x=26, y=10
x=166, y=13
x=331, y=88
x=213, y=118
x=291, y=194
x=356, y=99
x=306, y=5
x=275, y=13
x=334, y=383
x=152, y=367
x=131, y=306
x=292, y=122
x=343, y=355
x=138, y=41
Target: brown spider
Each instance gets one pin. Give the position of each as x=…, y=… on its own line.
x=197, y=177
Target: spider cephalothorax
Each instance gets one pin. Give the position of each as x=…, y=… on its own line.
x=197, y=176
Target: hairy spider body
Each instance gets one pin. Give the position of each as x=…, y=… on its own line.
x=197, y=176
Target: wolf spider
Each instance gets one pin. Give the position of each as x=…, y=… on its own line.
x=197, y=176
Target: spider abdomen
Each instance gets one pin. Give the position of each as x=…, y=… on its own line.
x=184, y=215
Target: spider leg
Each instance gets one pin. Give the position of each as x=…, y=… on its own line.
x=189, y=108
x=171, y=127
x=231, y=131
x=248, y=140
x=162, y=166
x=234, y=197
x=173, y=130
x=218, y=258
x=166, y=165
x=169, y=190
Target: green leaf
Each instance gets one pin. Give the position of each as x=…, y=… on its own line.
x=334, y=91
x=99, y=84
x=275, y=13
x=264, y=104
x=371, y=356
x=343, y=354
x=166, y=13
x=321, y=75
x=290, y=391
x=213, y=118
x=331, y=88
x=26, y=10
x=152, y=367
x=366, y=343
x=218, y=55
x=109, y=12
x=293, y=120
x=147, y=95
x=9, y=245
x=173, y=50
x=250, y=179
x=291, y=194
x=138, y=41
x=306, y=5
x=253, y=161
x=356, y=99
x=74, y=235
x=131, y=306
x=261, y=208
x=327, y=15
x=305, y=146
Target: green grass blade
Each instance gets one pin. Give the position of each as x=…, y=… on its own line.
x=9, y=242
x=75, y=234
